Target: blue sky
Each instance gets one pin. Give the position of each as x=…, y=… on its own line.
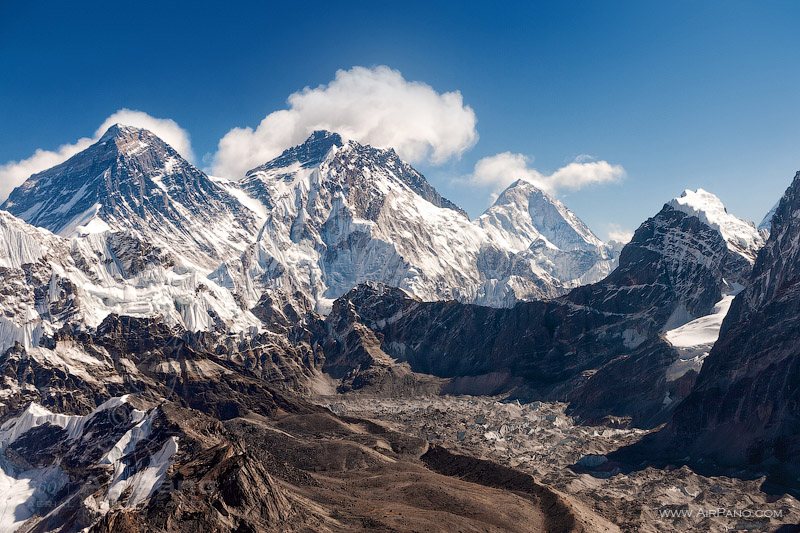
x=680, y=94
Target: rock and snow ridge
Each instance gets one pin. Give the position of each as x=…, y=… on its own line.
x=340, y=213
x=694, y=340
x=765, y=226
x=51, y=281
x=741, y=237
x=123, y=430
x=318, y=219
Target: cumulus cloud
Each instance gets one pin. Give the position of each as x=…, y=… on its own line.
x=500, y=170
x=376, y=106
x=13, y=173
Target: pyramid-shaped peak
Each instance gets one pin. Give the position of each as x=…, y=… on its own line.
x=526, y=187
x=524, y=212
x=527, y=194
x=132, y=140
x=129, y=174
x=122, y=130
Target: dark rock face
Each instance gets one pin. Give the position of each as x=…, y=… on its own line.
x=222, y=481
x=281, y=313
x=672, y=270
x=126, y=355
x=584, y=347
x=744, y=409
x=633, y=385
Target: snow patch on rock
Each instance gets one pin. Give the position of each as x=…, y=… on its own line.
x=694, y=340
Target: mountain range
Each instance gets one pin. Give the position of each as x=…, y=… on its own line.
x=161, y=327
x=150, y=234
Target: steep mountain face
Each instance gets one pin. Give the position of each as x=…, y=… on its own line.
x=586, y=346
x=678, y=264
x=130, y=180
x=338, y=213
x=49, y=282
x=542, y=231
x=342, y=212
x=743, y=410
x=742, y=238
x=313, y=152
x=136, y=230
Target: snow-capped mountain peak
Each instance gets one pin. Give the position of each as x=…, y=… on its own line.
x=131, y=180
x=542, y=231
x=740, y=236
x=356, y=167
x=340, y=213
x=523, y=213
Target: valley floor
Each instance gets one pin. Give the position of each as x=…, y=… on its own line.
x=540, y=439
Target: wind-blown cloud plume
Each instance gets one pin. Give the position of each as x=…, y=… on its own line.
x=500, y=170
x=375, y=106
x=13, y=173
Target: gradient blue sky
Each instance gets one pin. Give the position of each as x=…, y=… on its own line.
x=682, y=94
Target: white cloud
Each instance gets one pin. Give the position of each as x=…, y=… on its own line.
x=13, y=173
x=375, y=106
x=619, y=234
x=500, y=170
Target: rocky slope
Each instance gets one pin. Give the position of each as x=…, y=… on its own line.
x=170, y=431
x=540, y=439
x=743, y=409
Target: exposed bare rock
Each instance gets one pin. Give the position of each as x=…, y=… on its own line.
x=743, y=411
